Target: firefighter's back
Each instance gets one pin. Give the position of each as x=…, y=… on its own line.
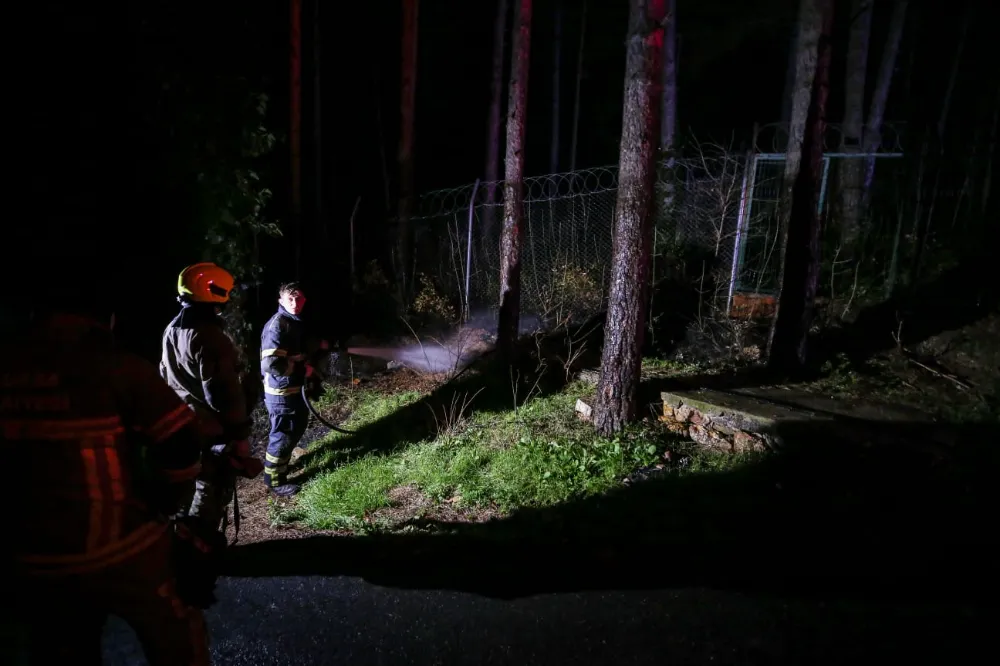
x=103, y=447
x=65, y=405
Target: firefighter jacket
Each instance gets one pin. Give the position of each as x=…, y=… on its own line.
x=282, y=357
x=201, y=364
x=104, y=449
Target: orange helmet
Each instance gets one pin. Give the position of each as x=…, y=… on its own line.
x=205, y=283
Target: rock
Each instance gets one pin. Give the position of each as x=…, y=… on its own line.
x=709, y=438
x=677, y=428
x=748, y=443
x=682, y=413
x=583, y=410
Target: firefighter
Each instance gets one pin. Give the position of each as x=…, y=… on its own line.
x=285, y=373
x=201, y=364
x=105, y=455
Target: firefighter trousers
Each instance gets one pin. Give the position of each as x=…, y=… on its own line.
x=288, y=423
x=213, y=491
x=65, y=616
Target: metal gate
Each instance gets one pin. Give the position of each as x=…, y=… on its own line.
x=757, y=243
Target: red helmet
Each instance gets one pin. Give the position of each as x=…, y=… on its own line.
x=205, y=283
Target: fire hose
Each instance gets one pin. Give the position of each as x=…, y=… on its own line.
x=315, y=413
x=322, y=368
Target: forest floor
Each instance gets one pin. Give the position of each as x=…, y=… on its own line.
x=428, y=452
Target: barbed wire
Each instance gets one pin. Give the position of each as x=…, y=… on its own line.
x=710, y=214
x=444, y=202
x=547, y=188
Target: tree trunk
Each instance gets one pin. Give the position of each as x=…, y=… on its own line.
x=876, y=113
x=808, y=33
x=556, y=85
x=669, y=126
x=513, y=195
x=496, y=101
x=576, y=94
x=669, y=121
x=295, y=126
x=789, y=94
x=621, y=358
x=800, y=262
x=407, y=106
x=851, y=169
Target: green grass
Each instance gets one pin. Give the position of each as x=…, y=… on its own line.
x=539, y=455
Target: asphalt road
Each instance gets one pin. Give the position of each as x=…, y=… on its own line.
x=345, y=620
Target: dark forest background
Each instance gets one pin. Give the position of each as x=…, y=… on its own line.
x=147, y=131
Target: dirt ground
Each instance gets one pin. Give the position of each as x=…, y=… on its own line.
x=970, y=354
x=255, y=503
x=951, y=376
x=409, y=507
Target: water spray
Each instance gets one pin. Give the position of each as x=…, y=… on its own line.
x=425, y=358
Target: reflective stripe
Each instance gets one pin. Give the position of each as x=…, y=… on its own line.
x=92, y=560
x=105, y=489
x=97, y=439
x=170, y=423
x=114, y=468
x=291, y=390
x=285, y=391
x=264, y=353
x=89, y=457
x=277, y=470
x=275, y=460
x=63, y=429
x=275, y=476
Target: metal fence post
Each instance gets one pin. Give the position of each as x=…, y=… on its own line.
x=468, y=247
x=742, y=223
x=823, y=182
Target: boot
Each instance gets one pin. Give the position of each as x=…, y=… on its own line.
x=285, y=490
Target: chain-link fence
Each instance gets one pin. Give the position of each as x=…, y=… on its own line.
x=715, y=219
x=569, y=220
x=568, y=223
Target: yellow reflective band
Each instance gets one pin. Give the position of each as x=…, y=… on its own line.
x=291, y=390
x=275, y=480
x=275, y=460
x=264, y=353
x=284, y=391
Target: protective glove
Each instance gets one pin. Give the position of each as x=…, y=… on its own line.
x=242, y=462
x=313, y=388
